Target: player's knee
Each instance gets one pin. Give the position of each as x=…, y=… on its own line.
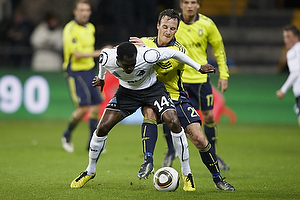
x=174, y=125
x=102, y=130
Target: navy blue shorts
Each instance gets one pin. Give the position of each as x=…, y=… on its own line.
x=81, y=90
x=200, y=95
x=127, y=101
x=187, y=114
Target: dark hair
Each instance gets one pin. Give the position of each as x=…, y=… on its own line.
x=171, y=13
x=198, y=1
x=126, y=49
x=81, y=1
x=292, y=28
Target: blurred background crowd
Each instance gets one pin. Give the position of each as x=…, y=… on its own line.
x=251, y=29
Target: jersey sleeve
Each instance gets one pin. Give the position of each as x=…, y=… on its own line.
x=103, y=59
x=167, y=53
x=293, y=64
x=215, y=39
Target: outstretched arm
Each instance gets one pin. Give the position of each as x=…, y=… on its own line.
x=167, y=53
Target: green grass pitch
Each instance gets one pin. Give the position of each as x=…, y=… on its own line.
x=264, y=163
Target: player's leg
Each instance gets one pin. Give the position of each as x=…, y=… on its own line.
x=210, y=128
x=95, y=100
x=93, y=121
x=76, y=117
x=149, y=138
x=170, y=156
x=109, y=119
x=207, y=154
x=82, y=100
x=179, y=139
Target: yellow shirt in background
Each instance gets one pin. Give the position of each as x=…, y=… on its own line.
x=194, y=37
x=81, y=39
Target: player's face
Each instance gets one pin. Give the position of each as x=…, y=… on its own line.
x=189, y=7
x=127, y=64
x=166, y=30
x=82, y=13
x=289, y=39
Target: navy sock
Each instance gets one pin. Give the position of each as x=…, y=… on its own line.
x=210, y=132
x=149, y=137
x=71, y=125
x=209, y=158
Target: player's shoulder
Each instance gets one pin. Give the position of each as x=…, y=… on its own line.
x=69, y=26
x=90, y=26
x=178, y=46
x=149, y=55
x=204, y=19
x=107, y=55
x=149, y=41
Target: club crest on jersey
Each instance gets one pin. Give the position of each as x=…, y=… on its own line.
x=200, y=32
x=140, y=73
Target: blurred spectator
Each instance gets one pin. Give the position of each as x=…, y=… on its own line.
x=46, y=41
x=18, y=35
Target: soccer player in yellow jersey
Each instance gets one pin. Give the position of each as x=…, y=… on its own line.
x=170, y=72
x=79, y=54
x=195, y=32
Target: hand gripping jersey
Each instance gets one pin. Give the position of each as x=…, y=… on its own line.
x=169, y=71
x=144, y=73
x=194, y=37
x=293, y=61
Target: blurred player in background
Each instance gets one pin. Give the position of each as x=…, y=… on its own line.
x=79, y=54
x=170, y=72
x=195, y=32
x=291, y=36
x=134, y=67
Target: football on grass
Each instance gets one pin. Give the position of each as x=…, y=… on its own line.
x=166, y=179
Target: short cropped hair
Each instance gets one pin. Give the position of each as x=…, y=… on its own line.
x=81, y=1
x=126, y=49
x=292, y=28
x=171, y=13
x=198, y=1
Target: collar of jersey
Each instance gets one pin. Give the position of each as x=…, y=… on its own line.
x=79, y=24
x=197, y=18
x=169, y=44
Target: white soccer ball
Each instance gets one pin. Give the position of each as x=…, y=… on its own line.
x=166, y=179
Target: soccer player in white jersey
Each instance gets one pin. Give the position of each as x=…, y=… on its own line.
x=291, y=36
x=134, y=67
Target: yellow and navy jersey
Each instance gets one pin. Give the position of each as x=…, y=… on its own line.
x=169, y=71
x=195, y=37
x=78, y=38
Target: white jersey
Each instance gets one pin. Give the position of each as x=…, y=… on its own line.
x=144, y=74
x=293, y=61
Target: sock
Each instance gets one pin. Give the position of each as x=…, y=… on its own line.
x=149, y=138
x=209, y=158
x=71, y=125
x=181, y=146
x=93, y=125
x=210, y=132
x=97, y=146
x=169, y=140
